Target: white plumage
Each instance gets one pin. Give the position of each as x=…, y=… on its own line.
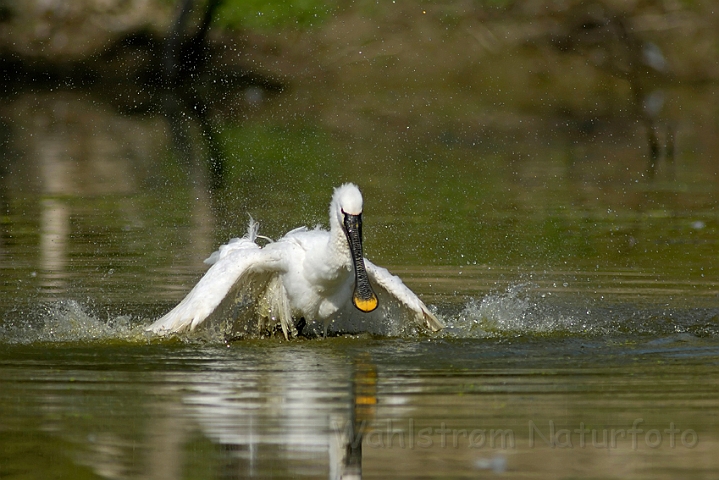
x=317, y=275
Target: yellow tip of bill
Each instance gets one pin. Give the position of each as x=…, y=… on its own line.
x=365, y=304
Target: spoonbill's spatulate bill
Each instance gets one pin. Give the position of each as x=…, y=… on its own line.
x=308, y=277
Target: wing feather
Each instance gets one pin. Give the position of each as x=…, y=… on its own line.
x=393, y=285
x=240, y=269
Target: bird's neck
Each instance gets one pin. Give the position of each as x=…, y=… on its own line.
x=334, y=259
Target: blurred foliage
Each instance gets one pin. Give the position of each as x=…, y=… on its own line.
x=263, y=14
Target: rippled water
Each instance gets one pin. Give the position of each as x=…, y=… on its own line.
x=519, y=407
x=525, y=382
x=581, y=304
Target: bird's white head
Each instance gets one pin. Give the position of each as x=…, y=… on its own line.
x=347, y=199
x=346, y=216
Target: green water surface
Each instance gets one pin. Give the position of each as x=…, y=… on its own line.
x=580, y=290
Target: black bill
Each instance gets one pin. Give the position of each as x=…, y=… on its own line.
x=363, y=297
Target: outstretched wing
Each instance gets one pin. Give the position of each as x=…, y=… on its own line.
x=242, y=272
x=398, y=291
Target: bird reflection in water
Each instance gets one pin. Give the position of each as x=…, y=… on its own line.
x=362, y=413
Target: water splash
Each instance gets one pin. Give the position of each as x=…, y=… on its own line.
x=67, y=321
x=523, y=309
x=517, y=311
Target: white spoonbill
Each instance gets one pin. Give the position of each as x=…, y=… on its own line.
x=306, y=277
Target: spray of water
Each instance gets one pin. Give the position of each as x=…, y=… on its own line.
x=521, y=310
x=517, y=311
x=67, y=321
